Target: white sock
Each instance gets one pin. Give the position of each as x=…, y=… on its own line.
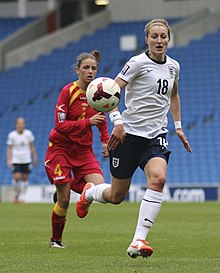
x=149, y=209
x=17, y=189
x=24, y=185
x=95, y=193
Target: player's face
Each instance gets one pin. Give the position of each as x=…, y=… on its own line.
x=157, y=41
x=20, y=125
x=87, y=70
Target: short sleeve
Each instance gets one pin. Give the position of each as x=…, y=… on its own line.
x=130, y=70
x=31, y=136
x=10, y=139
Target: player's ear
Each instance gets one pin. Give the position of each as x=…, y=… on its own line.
x=146, y=40
x=77, y=70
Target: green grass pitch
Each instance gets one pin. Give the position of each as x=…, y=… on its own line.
x=185, y=238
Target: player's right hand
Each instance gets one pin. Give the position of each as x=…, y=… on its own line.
x=118, y=135
x=97, y=118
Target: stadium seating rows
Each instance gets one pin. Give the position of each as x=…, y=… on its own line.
x=11, y=25
x=32, y=90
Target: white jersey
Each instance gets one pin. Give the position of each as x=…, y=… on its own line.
x=147, y=95
x=21, y=151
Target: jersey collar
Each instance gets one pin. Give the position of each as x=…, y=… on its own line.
x=158, y=62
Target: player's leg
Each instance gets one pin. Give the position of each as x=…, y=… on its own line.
x=59, y=214
x=89, y=174
x=16, y=183
x=59, y=174
x=155, y=171
x=153, y=160
x=102, y=193
x=78, y=183
x=76, y=186
x=114, y=194
x=91, y=180
x=123, y=163
x=24, y=180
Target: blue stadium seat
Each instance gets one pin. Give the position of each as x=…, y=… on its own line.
x=11, y=25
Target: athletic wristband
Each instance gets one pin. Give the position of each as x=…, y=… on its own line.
x=117, y=122
x=177, y=125
x=116, y=118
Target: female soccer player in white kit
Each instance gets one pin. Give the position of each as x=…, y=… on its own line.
x=20, y=151
x=139, y=136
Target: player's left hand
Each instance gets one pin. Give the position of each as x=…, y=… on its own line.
x=104, y=150
x=184, y=140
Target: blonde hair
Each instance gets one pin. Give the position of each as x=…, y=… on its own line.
x=162, y=22
x=95, y=55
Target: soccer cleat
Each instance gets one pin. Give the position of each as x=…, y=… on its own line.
x=56, y=244
x=55, y=197
x=139, y=248
x=82, y=206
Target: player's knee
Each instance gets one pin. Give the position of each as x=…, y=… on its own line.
x=158, y=181
x=64, y=201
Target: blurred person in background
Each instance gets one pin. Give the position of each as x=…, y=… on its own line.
x=70, y=151
x=139, y=139
x=20, y=152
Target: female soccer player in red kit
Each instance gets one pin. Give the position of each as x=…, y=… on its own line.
x=70, y=143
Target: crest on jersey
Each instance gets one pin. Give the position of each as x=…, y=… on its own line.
x=61, y=116
x=171, y=70
x=115, y=162
x=84, y=106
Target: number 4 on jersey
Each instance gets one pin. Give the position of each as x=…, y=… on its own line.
x=58, y=170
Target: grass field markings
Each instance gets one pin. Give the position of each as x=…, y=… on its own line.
x=182, y=241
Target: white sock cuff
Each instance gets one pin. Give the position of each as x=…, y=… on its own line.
x=98, y=191
x=152, y=195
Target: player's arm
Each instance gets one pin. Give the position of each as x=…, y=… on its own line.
x=33, y=152
x=118, y=134
x=176, y=115
x=9, y=156
x=64, y=126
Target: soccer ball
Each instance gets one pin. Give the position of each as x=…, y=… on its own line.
x=103, y=94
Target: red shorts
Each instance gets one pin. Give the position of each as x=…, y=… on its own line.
x=63, y=160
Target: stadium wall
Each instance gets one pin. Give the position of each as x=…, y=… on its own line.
x=34, y=9
x=13, y=56
x=127, y=10
x=29, y=33
x=130, y=10
x=60, y=38
x=195, y=27
x=174, y=193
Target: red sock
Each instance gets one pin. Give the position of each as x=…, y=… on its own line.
x=58, y=224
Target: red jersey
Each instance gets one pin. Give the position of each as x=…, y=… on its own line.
x=72, y=124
